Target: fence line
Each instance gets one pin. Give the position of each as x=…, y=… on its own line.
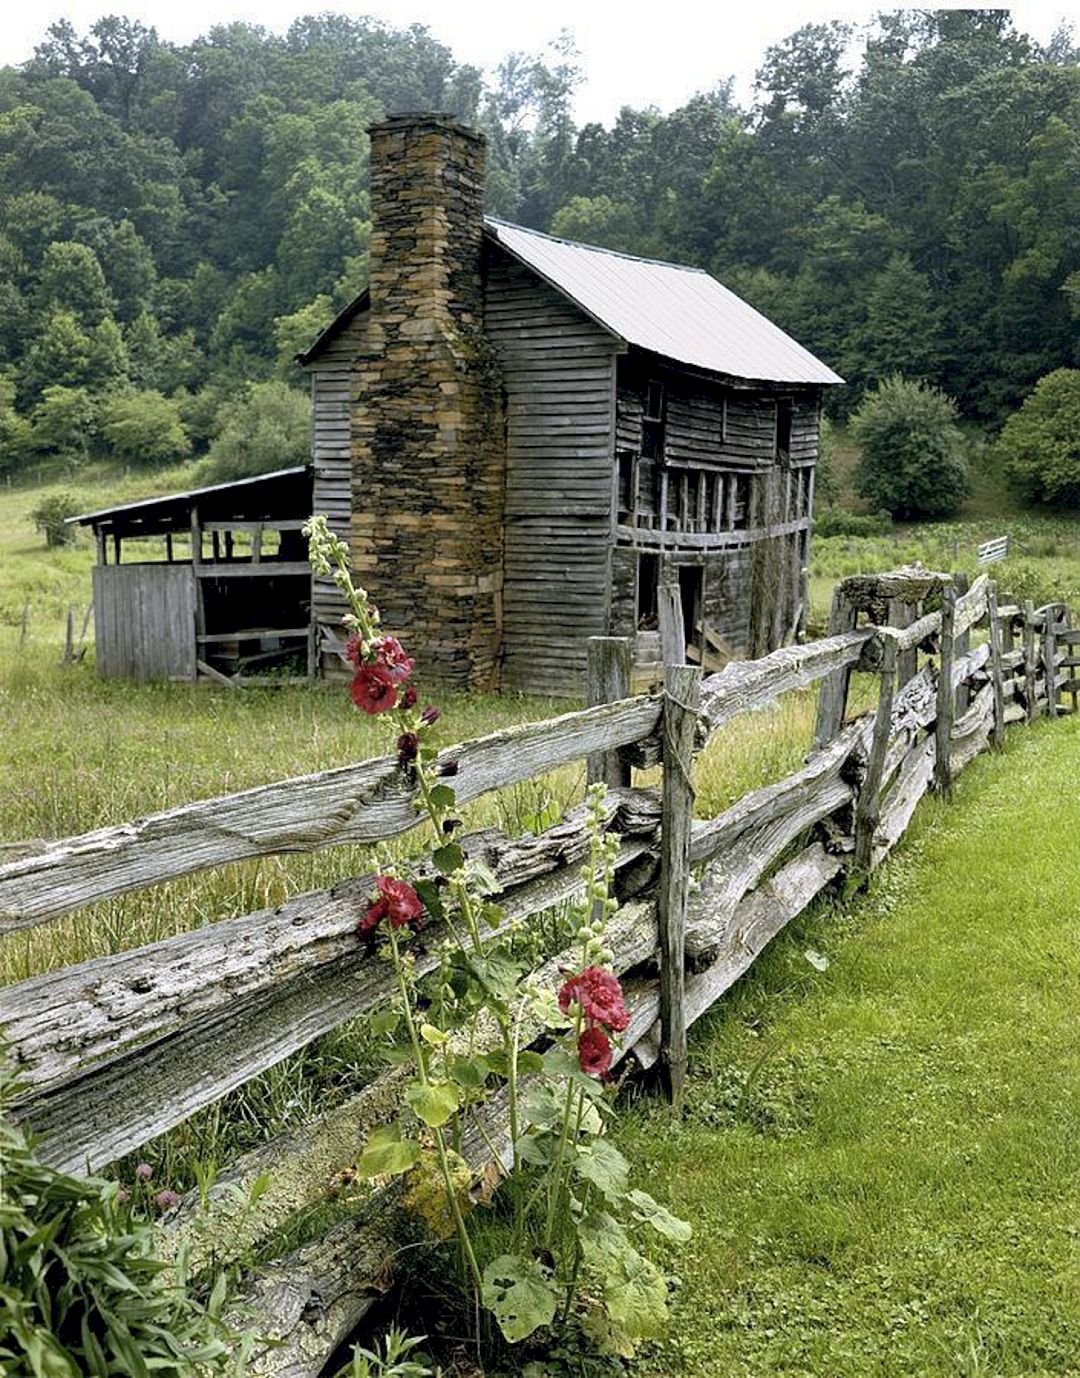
x=116, y=1050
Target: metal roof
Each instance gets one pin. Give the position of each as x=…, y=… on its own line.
x=680, y=313
x=261, y=496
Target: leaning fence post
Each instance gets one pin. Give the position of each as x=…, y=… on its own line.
x=682, y=687
x=1049, y=654
x=610, y=665
x=868, y=804
x=997, y=677
x=945, y=696
x=832, y=697
x=1031, y=705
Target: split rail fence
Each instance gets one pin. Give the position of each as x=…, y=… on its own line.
x=115, y=1051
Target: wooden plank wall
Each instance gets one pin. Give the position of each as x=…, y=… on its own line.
x=558, y=370
x=144, y=621
x=331, y=393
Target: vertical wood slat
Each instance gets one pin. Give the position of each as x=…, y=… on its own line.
x=669, y=614
x=682, y=689
x=610, y=666
x=1029, y=659
x=1049, y=657
x=946, y=698
x=997, y=677
x=832, y=697
x=868, y=804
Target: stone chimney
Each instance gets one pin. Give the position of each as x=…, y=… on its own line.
x=427, y=426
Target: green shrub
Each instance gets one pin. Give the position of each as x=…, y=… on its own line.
x=51, y=514
x=838, y=521
x=80, y=1293
x=268, y=429
x=1039, y=445
x=912, y=462
x=144, y=429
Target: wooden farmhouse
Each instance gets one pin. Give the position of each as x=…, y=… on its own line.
x=214, y=582
x=514, y=431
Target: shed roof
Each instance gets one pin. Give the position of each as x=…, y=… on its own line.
x=681, y=313
x=281, y=495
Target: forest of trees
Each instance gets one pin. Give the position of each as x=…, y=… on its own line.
x=176, y=221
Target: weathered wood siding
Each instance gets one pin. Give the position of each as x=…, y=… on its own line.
x=331, y=450
x=559, y=375
x=144, y=621
x=754, y=589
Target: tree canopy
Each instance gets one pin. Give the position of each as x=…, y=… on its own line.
x=174, y=216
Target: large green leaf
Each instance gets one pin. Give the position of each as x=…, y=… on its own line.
x=601, y=1163
x=387, y=1153
x=650, y=1212
x=635, y=1295
x=433, y=1102
x=520, y=1293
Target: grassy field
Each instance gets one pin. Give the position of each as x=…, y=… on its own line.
x=880, y=1160
x=821, y=1234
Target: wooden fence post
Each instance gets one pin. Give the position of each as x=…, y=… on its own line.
x=1029, y=659
x=945, y=698
x=901, y=615
x=996, y=671
x=682, y=688
x=832, y=697
x=961, y=583
x=1049, y=658
x=669, y=615
x=610, y=665
x=868, y=804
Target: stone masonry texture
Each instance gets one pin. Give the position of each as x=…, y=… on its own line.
x=427, y=427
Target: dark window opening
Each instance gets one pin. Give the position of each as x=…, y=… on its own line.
x=652, y=423
x=691, y=579
x=784, y=410
x=626, y=496
x=648, y=579
x=741, y=509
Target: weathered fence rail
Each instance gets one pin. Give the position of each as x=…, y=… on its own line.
x=115, y=1051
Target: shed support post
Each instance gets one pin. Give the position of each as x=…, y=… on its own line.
x=611, y=661
x=682, y=688
x=946, y=699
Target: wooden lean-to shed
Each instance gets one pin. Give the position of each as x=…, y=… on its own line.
x=210, y=583
x=517, y=432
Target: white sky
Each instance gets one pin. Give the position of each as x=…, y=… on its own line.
x=632, y=53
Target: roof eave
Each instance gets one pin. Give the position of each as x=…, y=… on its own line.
x=336, y=326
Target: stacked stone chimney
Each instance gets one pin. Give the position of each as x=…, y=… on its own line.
x=427, y=428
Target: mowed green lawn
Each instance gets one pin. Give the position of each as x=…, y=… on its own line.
x=881, y=1160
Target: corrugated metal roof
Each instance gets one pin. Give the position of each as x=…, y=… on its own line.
x=680, y=313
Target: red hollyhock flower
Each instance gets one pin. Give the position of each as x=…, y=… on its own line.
x=373, y=689
x=600, y=996
x=430, y=715
x=397, y=901
x=408, y=698
x=408, y=745
x=389, y=652
x=594, y=1052
x=354, y=651
x=371, y=920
